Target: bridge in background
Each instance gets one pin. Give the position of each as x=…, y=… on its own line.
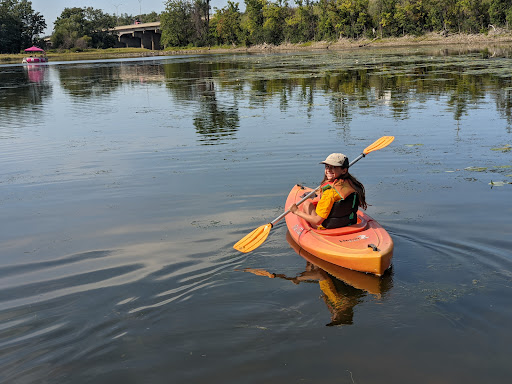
x=146, y=35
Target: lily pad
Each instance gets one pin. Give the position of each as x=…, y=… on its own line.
x=505, y=148
x=476, y=169
x=499, y=183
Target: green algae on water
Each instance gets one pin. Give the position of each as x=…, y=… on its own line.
x=503, y=166
x=505, y=148
x=476, y=169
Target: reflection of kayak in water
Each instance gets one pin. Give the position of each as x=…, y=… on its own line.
x=364, y=247
x=363, y=281
x=339, y=298
x=342, y=289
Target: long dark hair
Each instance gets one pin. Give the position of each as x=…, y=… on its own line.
x=358, y=186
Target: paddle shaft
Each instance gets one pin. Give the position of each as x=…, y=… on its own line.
x=280, y=217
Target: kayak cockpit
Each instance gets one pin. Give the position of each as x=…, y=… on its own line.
x=361, y=225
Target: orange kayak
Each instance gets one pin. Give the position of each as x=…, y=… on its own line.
x=364, y=247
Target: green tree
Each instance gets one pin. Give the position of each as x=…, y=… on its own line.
x=101, y=25
x=176, y=24
x=509, y=17
x=328, y=23
x=149, y=17
x=225, y=25
x=201, y=19
x=20, y=26
x=498, y=12
x=83, y=27
x=450, y=9
x=126, y=19
x=253, y=22
x=411, y=17
x=382, y=13
x=302, y=23
x=10, y=39
x=435, y=17
x=275, y=15
x=472, y=16
x=353, y=17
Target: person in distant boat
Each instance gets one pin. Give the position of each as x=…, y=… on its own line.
x=340, y=196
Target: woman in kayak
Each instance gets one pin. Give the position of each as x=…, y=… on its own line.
x=340, y=196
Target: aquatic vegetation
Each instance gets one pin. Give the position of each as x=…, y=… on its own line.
x=476, y=169
x=505, y=148
x=499, y=183
x=500, y=169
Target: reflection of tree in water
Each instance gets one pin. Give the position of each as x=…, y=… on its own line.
x=90, y=80
x=383, y=82
x=23, y=86
x=503, y=98
x=185, y=79
x=213, y=123
x=141, y=73
x=360, y=89
x=193, y=81
x=306, y=94
x=340, y=110
x=469, y=89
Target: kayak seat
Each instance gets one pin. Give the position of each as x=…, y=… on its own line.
x=358, y=227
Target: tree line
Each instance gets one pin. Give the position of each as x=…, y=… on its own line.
x=191, y=22
x=279, y=21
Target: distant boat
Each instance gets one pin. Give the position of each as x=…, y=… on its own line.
x=33, y=58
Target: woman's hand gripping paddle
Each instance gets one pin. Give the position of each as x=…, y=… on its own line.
x=254, y=239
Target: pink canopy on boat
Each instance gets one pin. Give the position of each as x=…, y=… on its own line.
x=34, y=49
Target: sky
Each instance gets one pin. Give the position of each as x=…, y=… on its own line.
x=51, y=9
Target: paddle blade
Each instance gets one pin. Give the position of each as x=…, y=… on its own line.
x=254, y=239
x=384, y=141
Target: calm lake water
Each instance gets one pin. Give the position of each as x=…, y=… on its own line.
x=125, y=183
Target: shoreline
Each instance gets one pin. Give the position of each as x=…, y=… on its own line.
x=467, y=41
x=463, y=41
